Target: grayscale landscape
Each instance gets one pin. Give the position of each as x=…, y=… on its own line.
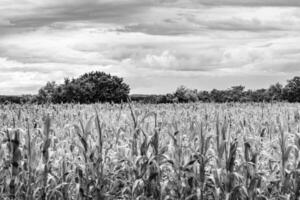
x=150, y=100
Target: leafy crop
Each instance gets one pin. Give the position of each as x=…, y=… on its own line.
x=163, y=152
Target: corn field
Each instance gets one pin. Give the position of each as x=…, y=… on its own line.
x=164, y=152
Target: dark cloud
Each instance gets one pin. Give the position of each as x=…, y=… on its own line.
x=232, y=24
x=159, y=28
x=236, y=24
x=88, y=10
x=246, y=3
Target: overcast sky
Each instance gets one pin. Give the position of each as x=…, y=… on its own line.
x=156, y=45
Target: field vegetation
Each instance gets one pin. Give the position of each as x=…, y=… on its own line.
x=135, y=151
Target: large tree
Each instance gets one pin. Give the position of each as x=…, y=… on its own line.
x=88, y=88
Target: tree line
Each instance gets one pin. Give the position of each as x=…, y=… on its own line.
x=101, y=87
x=276, y=92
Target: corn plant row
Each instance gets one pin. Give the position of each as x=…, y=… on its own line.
x=160, y=152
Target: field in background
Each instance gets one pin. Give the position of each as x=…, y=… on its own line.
x=174, y=151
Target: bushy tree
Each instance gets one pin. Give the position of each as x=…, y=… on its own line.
x=275, y=92
x=203, y=96
x=46, y=93
x=169, y=98
x=236, y=93
x=88, y=88
x=181, y=94
x=292, y=90
x=260, y=95
x=185, y=95
x=218, y=96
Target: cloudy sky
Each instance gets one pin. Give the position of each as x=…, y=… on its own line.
x=156, y=45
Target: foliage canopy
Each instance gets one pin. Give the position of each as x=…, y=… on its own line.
x=88, y=88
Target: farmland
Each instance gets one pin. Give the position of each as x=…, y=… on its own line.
x=136, y=151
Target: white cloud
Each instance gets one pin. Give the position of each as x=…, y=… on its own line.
x=186, y=42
